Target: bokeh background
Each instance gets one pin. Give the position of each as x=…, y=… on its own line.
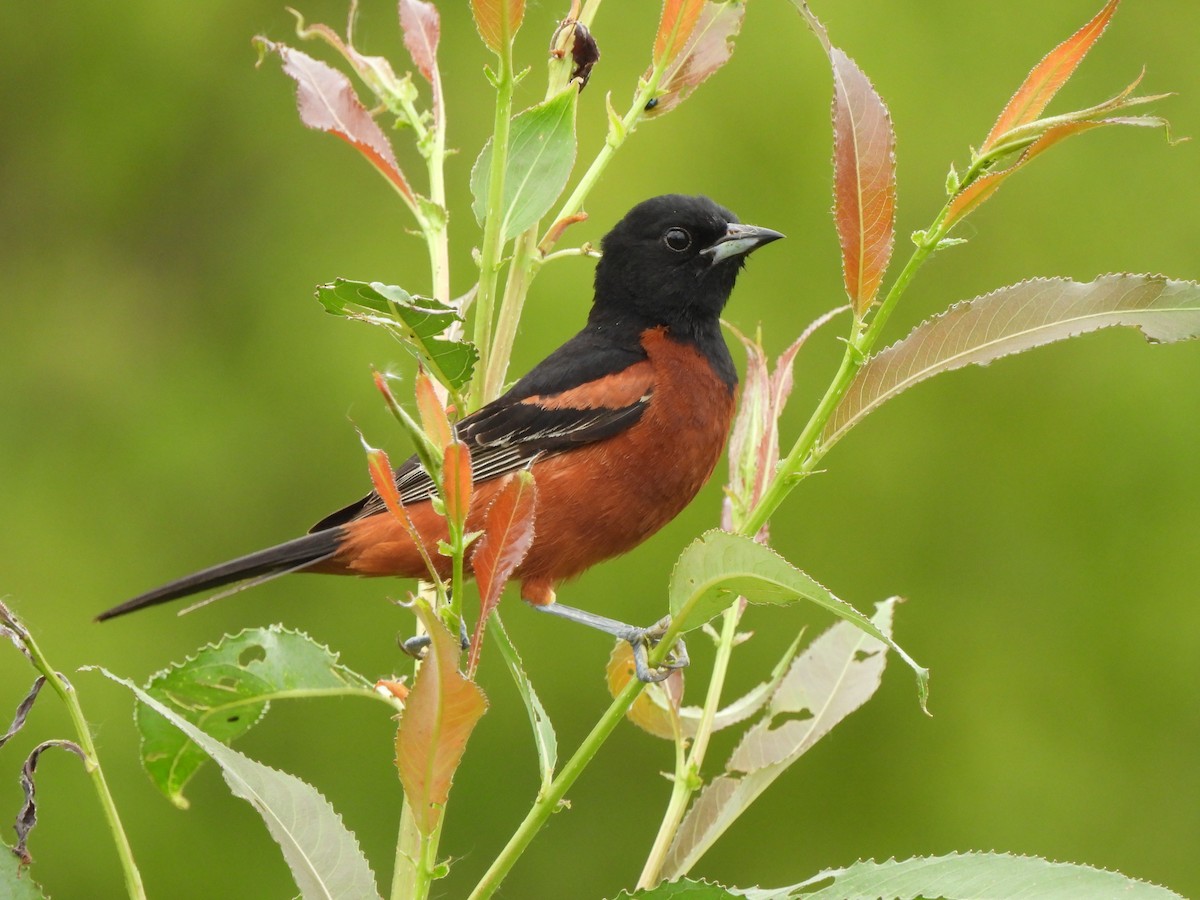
x=172, y=396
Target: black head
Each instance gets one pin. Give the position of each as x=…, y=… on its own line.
x=673, y=260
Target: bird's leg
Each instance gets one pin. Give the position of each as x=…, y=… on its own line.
x=640, y=639
x=415, y=646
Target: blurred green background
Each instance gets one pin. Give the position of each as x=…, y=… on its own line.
x=173, y=396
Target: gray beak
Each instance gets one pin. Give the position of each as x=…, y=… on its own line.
x=739, y=240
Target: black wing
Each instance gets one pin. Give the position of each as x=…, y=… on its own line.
x=515, y=429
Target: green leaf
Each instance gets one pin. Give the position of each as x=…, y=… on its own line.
x=323, y=855
x=427, y=327
x=541, y=153
x=956, y=876
x=15, y=883
x=225, y=689
x=718, y=567
x=1013, y=319
x=833, y=677
x=975, y=876
x=544, y=737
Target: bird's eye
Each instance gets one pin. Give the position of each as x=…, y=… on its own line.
x=677, y=239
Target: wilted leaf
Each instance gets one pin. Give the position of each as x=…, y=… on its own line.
x=421, y=27
x=708, y=47
x=656, y=709
x=1015, y=318
x=442, y=711
x=585, y=53
x=507, y=536
x=23, y=709
x=834, y=676
x=497, y=20
x=27, y=815
x=718, y=567
x=541, y=152
x=975, y=876
x=1048, y=76
x=327, y=102
x=678, y=20
x=422, y=324
x=323, y=855
x=544, y=737
x=864, y=147
x=225, y=689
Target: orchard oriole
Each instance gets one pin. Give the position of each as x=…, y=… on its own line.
x=621, y=425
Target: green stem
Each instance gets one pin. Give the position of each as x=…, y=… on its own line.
x=687, y=776
x=520, y=274
x=493, y=237
x=439, y=242
x=405, y=873
x=547, y=802
x=133, y=878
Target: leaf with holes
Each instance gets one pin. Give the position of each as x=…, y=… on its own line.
x=226, y=688
x=541, y=153
x=834, y=676
x=1047, y=77
x=323, y=855
x=442, y=710
x=707, y=48
x=864, y=148
x=428, y=328
x=327, y=102
x=1013, y=319
x=718, y=567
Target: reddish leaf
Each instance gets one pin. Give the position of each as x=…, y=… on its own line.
x=456, y=475
x=708, y=47
x=1048, y=76
x=864, y=189
x=440, y=713
x=421, y=26
x=497, y=20
x=434, y=420
x=383, y=478
x=507, y=536
x=674, y=28
x=327, y=102
x=395, y=689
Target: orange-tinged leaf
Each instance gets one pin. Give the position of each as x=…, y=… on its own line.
x=674, y=28
x=327, y=102
x=440, y=713
x=864, y=180
x=507, y=536
x=1048, y=76
x=456, y=477
x=659, y=719
x=383, y=479
x=864, y=162
x=434, y=419
x=497, y=20
x=708, y=47
x=397, y=689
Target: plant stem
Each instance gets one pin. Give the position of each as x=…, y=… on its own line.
x=133, y=878
x=406, y=871
x=520, y=273
x=547, y=802
x=493, y=237
x=687, y=777
x=439, y=241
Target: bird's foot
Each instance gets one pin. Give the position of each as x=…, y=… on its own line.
x=416, y=645
x=640, y=639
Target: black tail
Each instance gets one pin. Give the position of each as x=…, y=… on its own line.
x=265, y=564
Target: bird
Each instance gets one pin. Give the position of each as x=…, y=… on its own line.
x=620, y=426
